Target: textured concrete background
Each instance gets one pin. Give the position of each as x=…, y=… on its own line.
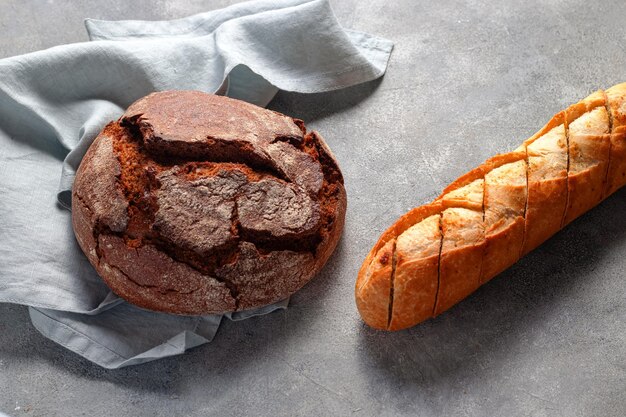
x=466, y=80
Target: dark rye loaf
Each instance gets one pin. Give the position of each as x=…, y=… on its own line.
x=192, y=203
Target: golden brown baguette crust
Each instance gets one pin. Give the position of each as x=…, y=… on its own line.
x=373, y=286
x=461, y=256
x=547, y=182
x=414, y=275
x=616, y=104
x=491, y=216
x=504, y=207
x=589, y=140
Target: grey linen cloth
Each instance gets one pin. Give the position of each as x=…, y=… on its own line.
x=54, y=102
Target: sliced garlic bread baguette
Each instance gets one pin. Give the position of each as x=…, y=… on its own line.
x=373, y=286
x=437, y=254
x=463, y=243
x=504, y=206
x=616, y=104
x=546, y=155
x=589, y=143
x=416, y=263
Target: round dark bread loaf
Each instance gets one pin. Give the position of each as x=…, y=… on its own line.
x=193, y=203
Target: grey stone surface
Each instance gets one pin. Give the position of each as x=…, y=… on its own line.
x=467, y=79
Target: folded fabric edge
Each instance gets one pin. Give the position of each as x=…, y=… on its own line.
x=85, y=346
x=64, y=197
x=324, y=82
x=98, y=29
x=106, y=304
x=261, y=311
x=74, y=340
x=102, y=355
x=376, y=52
x=368, y=41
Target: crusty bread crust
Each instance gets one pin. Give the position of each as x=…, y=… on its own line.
x=546, y=157
x=504, y=209
x=496, y=213
x=616, y=105
x=589, y=142
x=198, y=204
x=373, y=286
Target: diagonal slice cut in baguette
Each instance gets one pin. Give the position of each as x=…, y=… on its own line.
x=437, y=254
x=547, y=183
x=374, y=283
x=505, y=206
x=463, y=242
x=588, y=132
x=415, y=279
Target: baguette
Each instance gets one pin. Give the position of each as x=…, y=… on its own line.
x=437, y=254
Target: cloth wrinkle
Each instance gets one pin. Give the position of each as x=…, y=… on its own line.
x=54, y=102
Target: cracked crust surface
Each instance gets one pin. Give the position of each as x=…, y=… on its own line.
x=198, y=204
